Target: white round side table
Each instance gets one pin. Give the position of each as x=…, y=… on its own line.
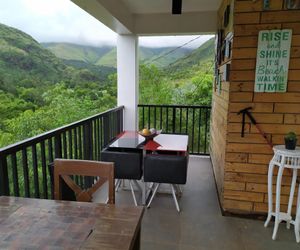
x=283, y=158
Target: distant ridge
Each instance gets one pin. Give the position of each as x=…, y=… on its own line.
x=107, y=55
x=27, y=64
x=71, y=51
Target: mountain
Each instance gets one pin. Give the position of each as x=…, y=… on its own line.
x=102, y=72
x=164, y=56
x=27, y=64
x=24, y=63
x=198, y=56
x=23, y=58
x=70, y=51
x=107, y=55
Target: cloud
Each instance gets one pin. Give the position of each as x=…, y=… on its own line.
x=63, y=21
x=55, y=21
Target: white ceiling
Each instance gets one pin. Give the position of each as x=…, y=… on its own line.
x=154, y=17
x=165, y=6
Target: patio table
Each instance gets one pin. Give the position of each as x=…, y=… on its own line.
x=27, y=223
x=163, y=143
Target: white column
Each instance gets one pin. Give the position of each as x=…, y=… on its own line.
x=127, y=68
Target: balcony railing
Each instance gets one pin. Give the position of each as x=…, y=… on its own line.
x=181, y=119
x=24, y=165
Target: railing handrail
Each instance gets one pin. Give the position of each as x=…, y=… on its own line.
x=174, y=106
x=49, y=134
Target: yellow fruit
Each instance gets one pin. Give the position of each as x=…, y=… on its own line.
x=146, y=131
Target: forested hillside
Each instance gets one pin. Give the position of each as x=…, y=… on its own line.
x=24, y=62
x=186, y=81
x=39, y=91
x=202, y=54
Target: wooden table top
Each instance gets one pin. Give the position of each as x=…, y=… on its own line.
x=48, y=224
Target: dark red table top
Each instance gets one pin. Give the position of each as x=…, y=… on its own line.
x=162, y=142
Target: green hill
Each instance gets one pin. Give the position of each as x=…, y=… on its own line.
x=197, y=57
x=23, y=61
x=161, y=56
x=107, y=55
x=70, y=51
x=109, y=59
x=102, y=72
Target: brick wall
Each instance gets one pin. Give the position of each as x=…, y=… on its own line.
x=241, y=164
x=219, y=115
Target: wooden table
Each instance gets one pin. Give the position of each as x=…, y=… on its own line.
x=48, y=224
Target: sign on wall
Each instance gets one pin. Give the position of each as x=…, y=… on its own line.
x=272, y=61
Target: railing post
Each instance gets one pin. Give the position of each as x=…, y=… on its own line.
x=88, y=149
x=4, y=182
x=121, y=120
x=174, y=120
x=106, y=132
x=87, y=141
x=57, y=146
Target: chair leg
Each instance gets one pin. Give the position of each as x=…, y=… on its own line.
x=179, y=190
x=175, y=199
x=154, y=192
x=137, y=185
x=132, y=192
x=117, y=184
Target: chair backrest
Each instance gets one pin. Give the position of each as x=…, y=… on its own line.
x=128, y=165
x=165, y=169
x=67, y=194
x=63, y=168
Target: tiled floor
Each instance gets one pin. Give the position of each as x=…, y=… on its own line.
x=200, y=224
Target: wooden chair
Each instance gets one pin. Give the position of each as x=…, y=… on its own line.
x=64, y=168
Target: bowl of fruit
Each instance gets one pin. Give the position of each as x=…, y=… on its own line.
x=149, y=134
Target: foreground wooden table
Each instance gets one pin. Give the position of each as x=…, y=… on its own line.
x=47, y=224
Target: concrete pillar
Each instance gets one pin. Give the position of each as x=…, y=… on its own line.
x=127, y=66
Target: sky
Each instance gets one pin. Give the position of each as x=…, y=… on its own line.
x=63, y=21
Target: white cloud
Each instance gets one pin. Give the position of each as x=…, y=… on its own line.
x=55, y=21
x=63, y=21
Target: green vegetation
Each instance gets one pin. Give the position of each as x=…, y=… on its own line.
x=186, y=81
x=39, y=91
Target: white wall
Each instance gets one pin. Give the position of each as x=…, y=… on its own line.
x=127, y=68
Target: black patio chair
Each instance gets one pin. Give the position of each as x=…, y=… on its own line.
x=128, y=166
x=169, y=169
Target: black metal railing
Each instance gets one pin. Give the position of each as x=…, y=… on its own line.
x=24, y=165
x=181, y=119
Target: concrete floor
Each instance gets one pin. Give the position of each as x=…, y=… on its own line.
x=200, y=224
